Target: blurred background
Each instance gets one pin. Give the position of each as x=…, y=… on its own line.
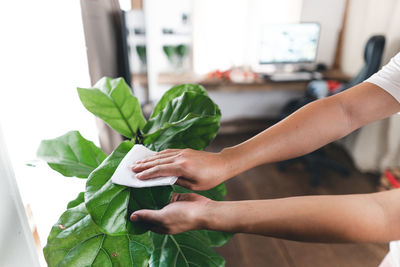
x=259, y=60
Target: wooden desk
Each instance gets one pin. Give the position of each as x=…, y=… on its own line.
x=214, y=84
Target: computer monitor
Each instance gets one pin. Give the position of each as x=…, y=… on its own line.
x=288, y=43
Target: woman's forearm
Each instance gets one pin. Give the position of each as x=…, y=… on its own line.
x=309, y=128
x=312, y=127
x=349, y=218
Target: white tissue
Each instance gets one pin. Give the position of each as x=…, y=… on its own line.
x=123, y=175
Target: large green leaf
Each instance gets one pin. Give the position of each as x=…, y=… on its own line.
x=75, y=241
x=175, y=92
x=215, y=238
x=179, y=108
x=106, y=202
x=78, y=200
x=185, y=249
x=188, y=121
x=110, y=204
x=153, y=198
x=71, y=154
x=112, y=101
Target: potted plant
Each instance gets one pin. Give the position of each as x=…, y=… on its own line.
x=95, y=230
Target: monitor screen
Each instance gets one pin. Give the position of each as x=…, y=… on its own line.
x=289, y=43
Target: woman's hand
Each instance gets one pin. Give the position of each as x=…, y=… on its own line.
x=197, y=170
x=185, y=212
x=349, y=218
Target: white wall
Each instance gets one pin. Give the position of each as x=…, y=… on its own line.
x=225, y=33
x=367, y=18
x=329, y=13
x=235, y=43
x=229, y=36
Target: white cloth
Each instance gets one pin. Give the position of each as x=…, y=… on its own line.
x=388, y=78
x=123, y=175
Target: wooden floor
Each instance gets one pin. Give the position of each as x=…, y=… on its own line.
x=266, y=182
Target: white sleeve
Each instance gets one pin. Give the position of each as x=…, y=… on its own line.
x=388, y=78
x=395, y=253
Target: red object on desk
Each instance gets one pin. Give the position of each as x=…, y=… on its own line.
x=219, y=74
x=392, y=179
x=332, y=85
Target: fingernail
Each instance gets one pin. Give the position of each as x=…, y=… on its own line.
x=138, y=176
x=138, y=161
x=134, y=218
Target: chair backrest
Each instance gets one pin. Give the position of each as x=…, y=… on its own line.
x=372, y=57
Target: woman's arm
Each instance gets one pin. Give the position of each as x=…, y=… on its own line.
x=348, y=218
x=313, y=126
x=306, y=130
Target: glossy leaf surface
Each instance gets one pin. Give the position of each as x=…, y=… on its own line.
x=78, y=200
x=71, y=154
x=184, y=250
x=106, y=202
x=188, y=121
x=215, y=238
x=110, y=204
x=112, y=101
x=175, y=92
x=75, y=241
x=153, y=198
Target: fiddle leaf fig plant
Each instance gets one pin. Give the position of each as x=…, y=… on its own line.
x=71, y=155
x=95, y=230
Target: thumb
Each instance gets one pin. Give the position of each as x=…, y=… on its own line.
x=151, y=216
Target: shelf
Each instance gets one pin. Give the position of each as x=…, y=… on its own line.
x=214, y=84
x=217, y=84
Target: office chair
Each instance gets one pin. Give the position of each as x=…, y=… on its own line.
x=316, y=161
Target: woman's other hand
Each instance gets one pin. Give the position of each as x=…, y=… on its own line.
x=185, y=212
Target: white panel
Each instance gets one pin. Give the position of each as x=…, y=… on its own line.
x=218, y=34
x=329, y=13
x=159, y=14
x=17, y=247
x=252, y=104
x=153, y=43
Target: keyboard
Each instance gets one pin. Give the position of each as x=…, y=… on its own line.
x=291, y=76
